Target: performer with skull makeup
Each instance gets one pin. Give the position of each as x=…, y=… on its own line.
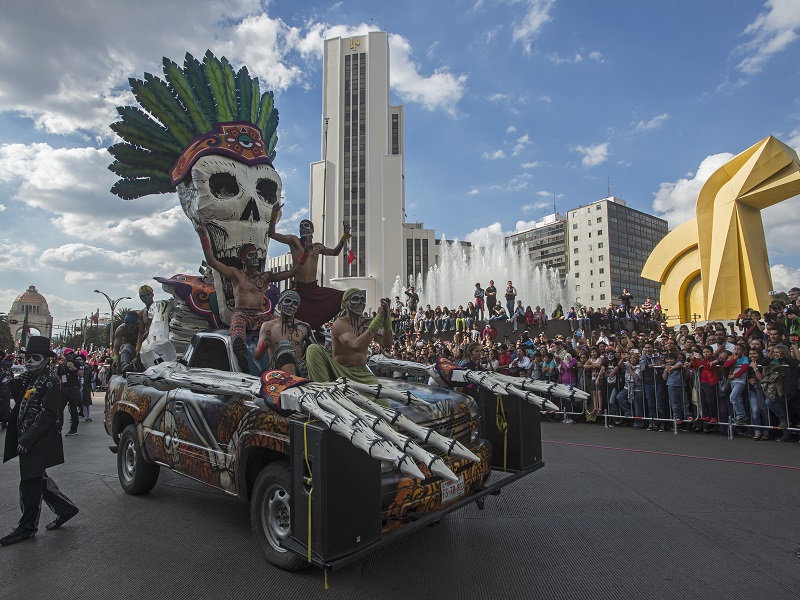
x=249, y=284
x=33, y=436
x=125, y=337
x=320, y=304
x=351, y=335
x=286, y=338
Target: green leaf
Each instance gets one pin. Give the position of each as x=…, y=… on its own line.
x=182, y=88
x=255, y=101
x=171, y=108
x=212, y=69
x=137, y=171
x=128, y=189
x=138, y=137
x=244, y=92
x=131, y=155
x=273, y=141
x=149, y=128
x=264, y=112
x=197, y=77
x=230, y=87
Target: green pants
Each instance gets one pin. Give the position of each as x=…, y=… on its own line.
x=321, y=367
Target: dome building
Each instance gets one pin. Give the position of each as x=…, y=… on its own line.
x=32, y=303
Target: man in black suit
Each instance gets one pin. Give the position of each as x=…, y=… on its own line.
x=33, y=435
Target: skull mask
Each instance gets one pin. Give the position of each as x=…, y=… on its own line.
x=35, y=362
x=356, y=303
x=235, y=201
x=288, y=303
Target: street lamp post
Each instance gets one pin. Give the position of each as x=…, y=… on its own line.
x=113, y=305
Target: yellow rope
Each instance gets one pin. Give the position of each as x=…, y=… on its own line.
x=502, y=425
x=311, y=483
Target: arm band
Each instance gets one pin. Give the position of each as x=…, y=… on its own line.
x=376, y=324
x=302, y=258
x=116, y=358
x=205, y=243
x=138, y=348
x=345, y=237
x=262, y=347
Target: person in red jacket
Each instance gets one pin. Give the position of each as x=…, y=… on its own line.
x=505, y=359
x=708, y=388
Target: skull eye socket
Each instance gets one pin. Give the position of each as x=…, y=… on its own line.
x=267, y=190
x=223, y=185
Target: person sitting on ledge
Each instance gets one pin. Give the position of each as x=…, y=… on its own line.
x=351, y=335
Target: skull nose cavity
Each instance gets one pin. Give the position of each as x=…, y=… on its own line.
x=251, y=212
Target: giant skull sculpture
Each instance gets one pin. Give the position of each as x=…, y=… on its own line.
x=235, y=201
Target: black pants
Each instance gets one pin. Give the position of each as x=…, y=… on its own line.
x=71, y=396
x=31, y=494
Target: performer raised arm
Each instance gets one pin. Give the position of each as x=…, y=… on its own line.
x=249, y=284
x=351, y=335
x=320, y=304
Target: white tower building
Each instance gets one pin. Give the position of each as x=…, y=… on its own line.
x=360, y=177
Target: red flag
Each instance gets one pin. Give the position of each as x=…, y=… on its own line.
x=351, y=256
x=96, y=317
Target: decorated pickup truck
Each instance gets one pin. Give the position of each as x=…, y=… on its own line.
x=249, y=437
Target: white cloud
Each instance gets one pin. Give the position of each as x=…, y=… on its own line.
x=773, y=31
x=675, y=201
x=485, y=236
x=536, y=16
x=784, y=278
x=593, y=155
x=524, y=225
x=654, y=123
x=496, y=155
x=520, y=145
x=2, y=207
x=595, y=55
x=531, y=165
x=560, y=60
x=473, y=192
x=511, y=129
x=442, y=89
x=536, y=206
x=17, y=256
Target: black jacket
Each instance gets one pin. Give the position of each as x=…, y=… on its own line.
x=34, y=424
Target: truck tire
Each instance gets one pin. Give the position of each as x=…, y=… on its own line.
x=136, y=475
x=270, y=515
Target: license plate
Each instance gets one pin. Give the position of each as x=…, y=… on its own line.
x=452, y=490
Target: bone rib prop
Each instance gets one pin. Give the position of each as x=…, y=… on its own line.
x=394, y=417
x=378, y=391
x=489, y=382
x=354, y=429
x=339, y=405
x=567, y=392
x=405, y=366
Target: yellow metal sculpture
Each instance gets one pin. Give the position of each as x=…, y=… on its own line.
x=713, y=266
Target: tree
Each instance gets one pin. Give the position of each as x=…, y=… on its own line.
x=6, y=339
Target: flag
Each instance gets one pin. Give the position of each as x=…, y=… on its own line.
x=26, y=331
x=351, y=256
x=96, y=317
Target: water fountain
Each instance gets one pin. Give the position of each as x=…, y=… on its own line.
x=451, y=281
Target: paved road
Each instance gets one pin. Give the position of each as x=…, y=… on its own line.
x=614, y=514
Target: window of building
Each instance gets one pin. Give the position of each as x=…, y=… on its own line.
x=577, y=275
x=590, y=222
x=591, y=285
x=576, y=263
x=575, y=238
x=575, y=226
x=600, y=258
x=599, y=220
x=575, y=251
x=591, y=272
x=602, y=271
x=577, y=288
x=590, y=247
x=592, y=298
x=591, y=260
x=602, y=296
x=599, y=232
x=602, y=284
x=597, y=207
x=599, y=245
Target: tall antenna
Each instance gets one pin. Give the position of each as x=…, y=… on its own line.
x=608, y=186
x=555, y=208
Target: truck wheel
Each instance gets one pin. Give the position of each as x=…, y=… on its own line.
x=136, y=475
x=270, y=516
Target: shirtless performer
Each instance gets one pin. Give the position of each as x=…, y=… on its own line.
x=285, y=338
x=125, y=343
x=351, y=335
x=249, y=285
x=320, y=304
x=146, y=296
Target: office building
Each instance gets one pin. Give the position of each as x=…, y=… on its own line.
x=607, y=244
x=543, y=244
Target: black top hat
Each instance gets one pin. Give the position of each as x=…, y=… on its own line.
x=38, y=344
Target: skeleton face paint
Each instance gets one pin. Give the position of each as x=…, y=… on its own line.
x=34, y=362
x=288, y=303
x=234, y=200
x=356, y=303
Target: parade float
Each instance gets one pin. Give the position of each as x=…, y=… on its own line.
x=332, y=470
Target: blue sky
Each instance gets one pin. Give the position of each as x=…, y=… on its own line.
x=508, y=103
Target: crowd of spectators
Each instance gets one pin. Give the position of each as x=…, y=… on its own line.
x=641, y=373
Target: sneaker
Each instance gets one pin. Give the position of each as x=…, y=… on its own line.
x=88, y=419
x=786, y=437
x=651, y=427
x=16, y=536
x=689, y=419
x=678, y=422
x=783, y=425
x=662, y=427
x=739, y=420
x=757, y=436
x=569, y=421
x=71, y=433
x=713, y=421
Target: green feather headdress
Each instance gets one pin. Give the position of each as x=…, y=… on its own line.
x=204, y=108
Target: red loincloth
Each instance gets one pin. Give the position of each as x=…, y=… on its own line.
x=318, y=304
